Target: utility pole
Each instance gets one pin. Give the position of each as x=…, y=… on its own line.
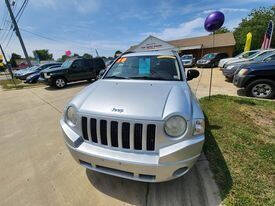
x=17, y=32
x=8, y=65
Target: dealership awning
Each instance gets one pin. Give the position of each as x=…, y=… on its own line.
x=191, y=47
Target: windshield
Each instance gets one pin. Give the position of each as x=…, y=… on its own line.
x=209, y=56
x=67, y=63
x=262, y=56
x=145, y=67
x=188, y=57
x=249, y=54
x=33, y=67
x=254, y=55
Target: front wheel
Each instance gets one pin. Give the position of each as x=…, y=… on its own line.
x=60, y=82
x=262, y=88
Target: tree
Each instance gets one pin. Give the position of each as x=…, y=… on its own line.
x=63, y=58
x=222, y=30
x=256, y=23
x=117, y=53
x=43, y=54
x=87, y=56
x=76, y=55
x=14, y=57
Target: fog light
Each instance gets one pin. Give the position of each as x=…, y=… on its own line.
x=180, y=171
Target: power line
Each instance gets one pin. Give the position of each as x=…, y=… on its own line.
x=39, y=35
x=21, y=10
x=18, y=16
x=17, y=31
x=9, y=40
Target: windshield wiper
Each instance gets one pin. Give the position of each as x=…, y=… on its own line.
x=149, y=78
x=115, y=77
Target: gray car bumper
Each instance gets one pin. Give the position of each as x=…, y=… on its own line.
x=168, y=163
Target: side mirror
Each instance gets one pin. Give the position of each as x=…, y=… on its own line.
x=192, y=74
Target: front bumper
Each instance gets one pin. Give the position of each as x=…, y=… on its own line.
x=45, y=81
x=167, y=163
x=228, y=73
x=240, y=81
x=207, y=65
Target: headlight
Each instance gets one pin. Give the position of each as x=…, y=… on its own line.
x=47, y=75
x=230, y=67
x=71, y=117
x=207, y=61
x=175, y=126
x=199, y=127
x=243, y=72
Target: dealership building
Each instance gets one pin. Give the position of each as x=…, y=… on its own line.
x=198, y=46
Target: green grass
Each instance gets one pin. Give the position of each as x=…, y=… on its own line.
x=9, y=84
x=239, y=145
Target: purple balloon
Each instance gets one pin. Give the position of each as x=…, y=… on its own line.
x=214, y=21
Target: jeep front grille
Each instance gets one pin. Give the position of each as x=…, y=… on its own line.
x=126, y=135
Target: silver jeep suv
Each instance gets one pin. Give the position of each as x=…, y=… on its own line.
x=139, y=121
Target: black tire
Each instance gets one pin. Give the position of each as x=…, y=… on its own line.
x=60, y=82
x=261, y=88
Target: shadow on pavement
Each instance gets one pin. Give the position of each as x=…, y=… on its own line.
x=186, y=190
x=124, y=190
x=216, y=160
x=241, y=92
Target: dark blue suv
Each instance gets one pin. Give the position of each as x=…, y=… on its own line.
x=258, y=79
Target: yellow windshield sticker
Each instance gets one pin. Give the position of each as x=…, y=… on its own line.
x=123, y=60
x=166, y=57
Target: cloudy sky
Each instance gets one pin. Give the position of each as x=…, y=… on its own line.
x=108, y=25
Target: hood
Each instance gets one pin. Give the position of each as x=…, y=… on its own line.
x=204, y=61
x=226, y=60
x=54, y=69
x=26, y=72
x=21, y=71
x=237, y=61
x=153, y=100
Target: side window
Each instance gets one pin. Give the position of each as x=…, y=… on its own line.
x=78, y=64
x=86, y=64
x=272, y=57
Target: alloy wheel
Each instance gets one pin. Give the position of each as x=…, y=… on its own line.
x=261, y=90
x=60, y=83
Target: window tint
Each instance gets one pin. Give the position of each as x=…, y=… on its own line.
x=146, y=67
x=78, y=64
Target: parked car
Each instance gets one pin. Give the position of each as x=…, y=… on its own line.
x=188, y=60
x=33, y=78
x=24, y=73
x=74, y=69
x=17, y=73
x=259, y=53
x=230, y=70
x=139, y=121
x=211, y=59
x=243, y=55
x=257, y=79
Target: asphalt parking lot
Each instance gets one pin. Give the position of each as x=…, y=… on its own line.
x=37, y=169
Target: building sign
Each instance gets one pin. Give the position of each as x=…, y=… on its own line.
x=154, y=44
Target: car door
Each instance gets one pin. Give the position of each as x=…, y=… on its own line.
x=78, y=70
x=91, y=73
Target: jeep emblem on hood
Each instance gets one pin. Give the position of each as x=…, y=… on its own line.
x=117, y=110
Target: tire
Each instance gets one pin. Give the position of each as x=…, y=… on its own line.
x=261, y=88
x=60, y=82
